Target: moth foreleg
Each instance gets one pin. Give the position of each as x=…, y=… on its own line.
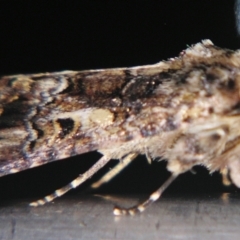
x=149, y=159
x=225, y=177
x=141, y=207
x=75, y=183
x=116, y=170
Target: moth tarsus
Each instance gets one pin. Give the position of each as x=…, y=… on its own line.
x=75, y=183
x=117, y=211
x=185, y=110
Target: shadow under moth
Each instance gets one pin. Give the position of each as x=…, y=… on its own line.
x=185, y=110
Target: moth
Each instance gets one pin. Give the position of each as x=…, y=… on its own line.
x=185, y=110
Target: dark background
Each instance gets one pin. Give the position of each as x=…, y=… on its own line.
x=76, y=35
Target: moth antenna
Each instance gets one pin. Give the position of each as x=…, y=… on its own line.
x=116, y=170
x=75, y=183
x=141, y=207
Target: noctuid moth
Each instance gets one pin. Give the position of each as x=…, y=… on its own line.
x=185, y=110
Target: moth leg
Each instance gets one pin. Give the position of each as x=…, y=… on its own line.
x=149, y=159
x=75, y=183
x=141, y=207
x=116, y=170
x=225, y=178
x=192, y=171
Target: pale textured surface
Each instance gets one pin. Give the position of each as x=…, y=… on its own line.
x=88, y=217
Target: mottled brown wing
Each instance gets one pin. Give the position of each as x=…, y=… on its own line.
x=51, y=116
